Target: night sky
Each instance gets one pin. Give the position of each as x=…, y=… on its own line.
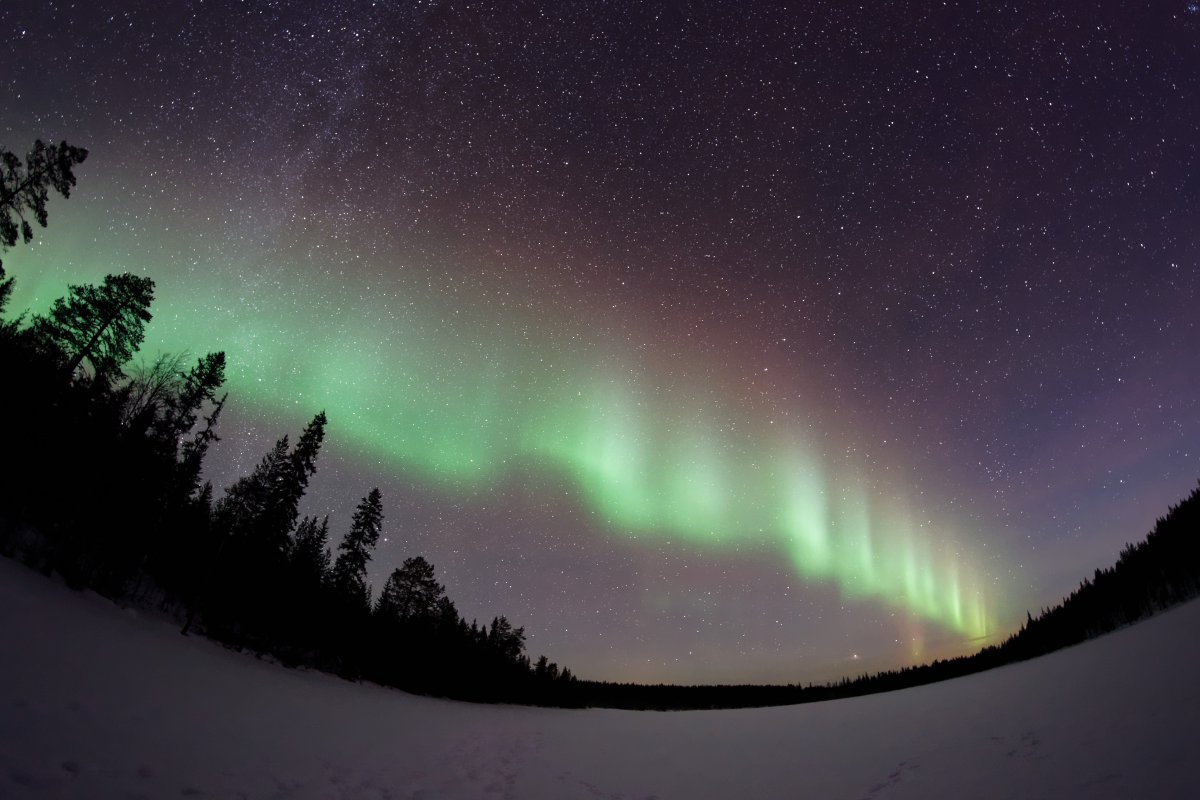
x=709, y=342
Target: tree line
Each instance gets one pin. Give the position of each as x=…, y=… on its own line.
x=100, y=481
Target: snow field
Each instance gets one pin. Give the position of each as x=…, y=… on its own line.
x=98, y=702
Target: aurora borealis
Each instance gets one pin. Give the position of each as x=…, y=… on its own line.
x=735, y=343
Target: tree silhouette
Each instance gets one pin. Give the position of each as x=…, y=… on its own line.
x=195, y=388
x=310, y=552
x=140, y=527
x=6, y=290
x=411, y=592
x=24, y=189
x=302, y=464
x=238, y=514
x=262, y=507
x=150, y=384
x=505, y=639
x=193, y=451
x=104, y=324
x=350, y=570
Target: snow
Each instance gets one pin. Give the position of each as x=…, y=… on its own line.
x=99, y=702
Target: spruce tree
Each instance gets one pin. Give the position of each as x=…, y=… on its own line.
x=192, y=390
x=303, y=464
x=193, y=451
x=349, y=575
x=310, y=552
x=240, y=512
x=263, y=507
x=411, y=592
x=505, y=639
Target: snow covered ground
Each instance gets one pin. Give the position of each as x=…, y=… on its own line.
x=97, y=702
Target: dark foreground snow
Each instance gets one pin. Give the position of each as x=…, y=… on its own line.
x=96, y=702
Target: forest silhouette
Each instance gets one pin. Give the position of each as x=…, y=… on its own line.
x=101, y=483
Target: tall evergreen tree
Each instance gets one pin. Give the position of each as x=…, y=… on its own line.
x=25, y=188
x=242, y=507
x=349, y=575
x=302, y=465
x=193, y=451
x=264, y=505
x=104, y=324
x=310, y=551
x=411, y=592
x=445, y=615
x=193, y=389
x=505, y=639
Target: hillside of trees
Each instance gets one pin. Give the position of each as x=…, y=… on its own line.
x=101, y=482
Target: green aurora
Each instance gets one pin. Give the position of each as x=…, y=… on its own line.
x=465, y=394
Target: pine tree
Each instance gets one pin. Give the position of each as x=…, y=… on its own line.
x=310, y=551
x=240, y=512
x=505, y=639
x=446, y=616
x=192, y=390
x=193, y=451
x=24, y=189
x=303, y=466
x=411, y=592
x=349, y=575
x=264, y=506
x=104, y=324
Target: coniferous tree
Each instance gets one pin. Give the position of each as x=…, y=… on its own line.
x=103, y=324
x=310, y=552
x=253, y=524
x=263, y=506
x=283, y=508
x=159, y=407
x=445, y=615
x=193, y=451
x=239, y=512
x=305, y=621
x=25, y=188
x=192, y=390
x=505, y=639
x=349, y=576
x=411, y=592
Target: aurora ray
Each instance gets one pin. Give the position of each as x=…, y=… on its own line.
x=460, y=394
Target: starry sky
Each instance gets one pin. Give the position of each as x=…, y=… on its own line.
x=708, y=341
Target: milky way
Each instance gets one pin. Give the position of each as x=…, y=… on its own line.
x=724, y=344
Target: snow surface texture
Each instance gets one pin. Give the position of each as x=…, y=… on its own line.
x=97, y=702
